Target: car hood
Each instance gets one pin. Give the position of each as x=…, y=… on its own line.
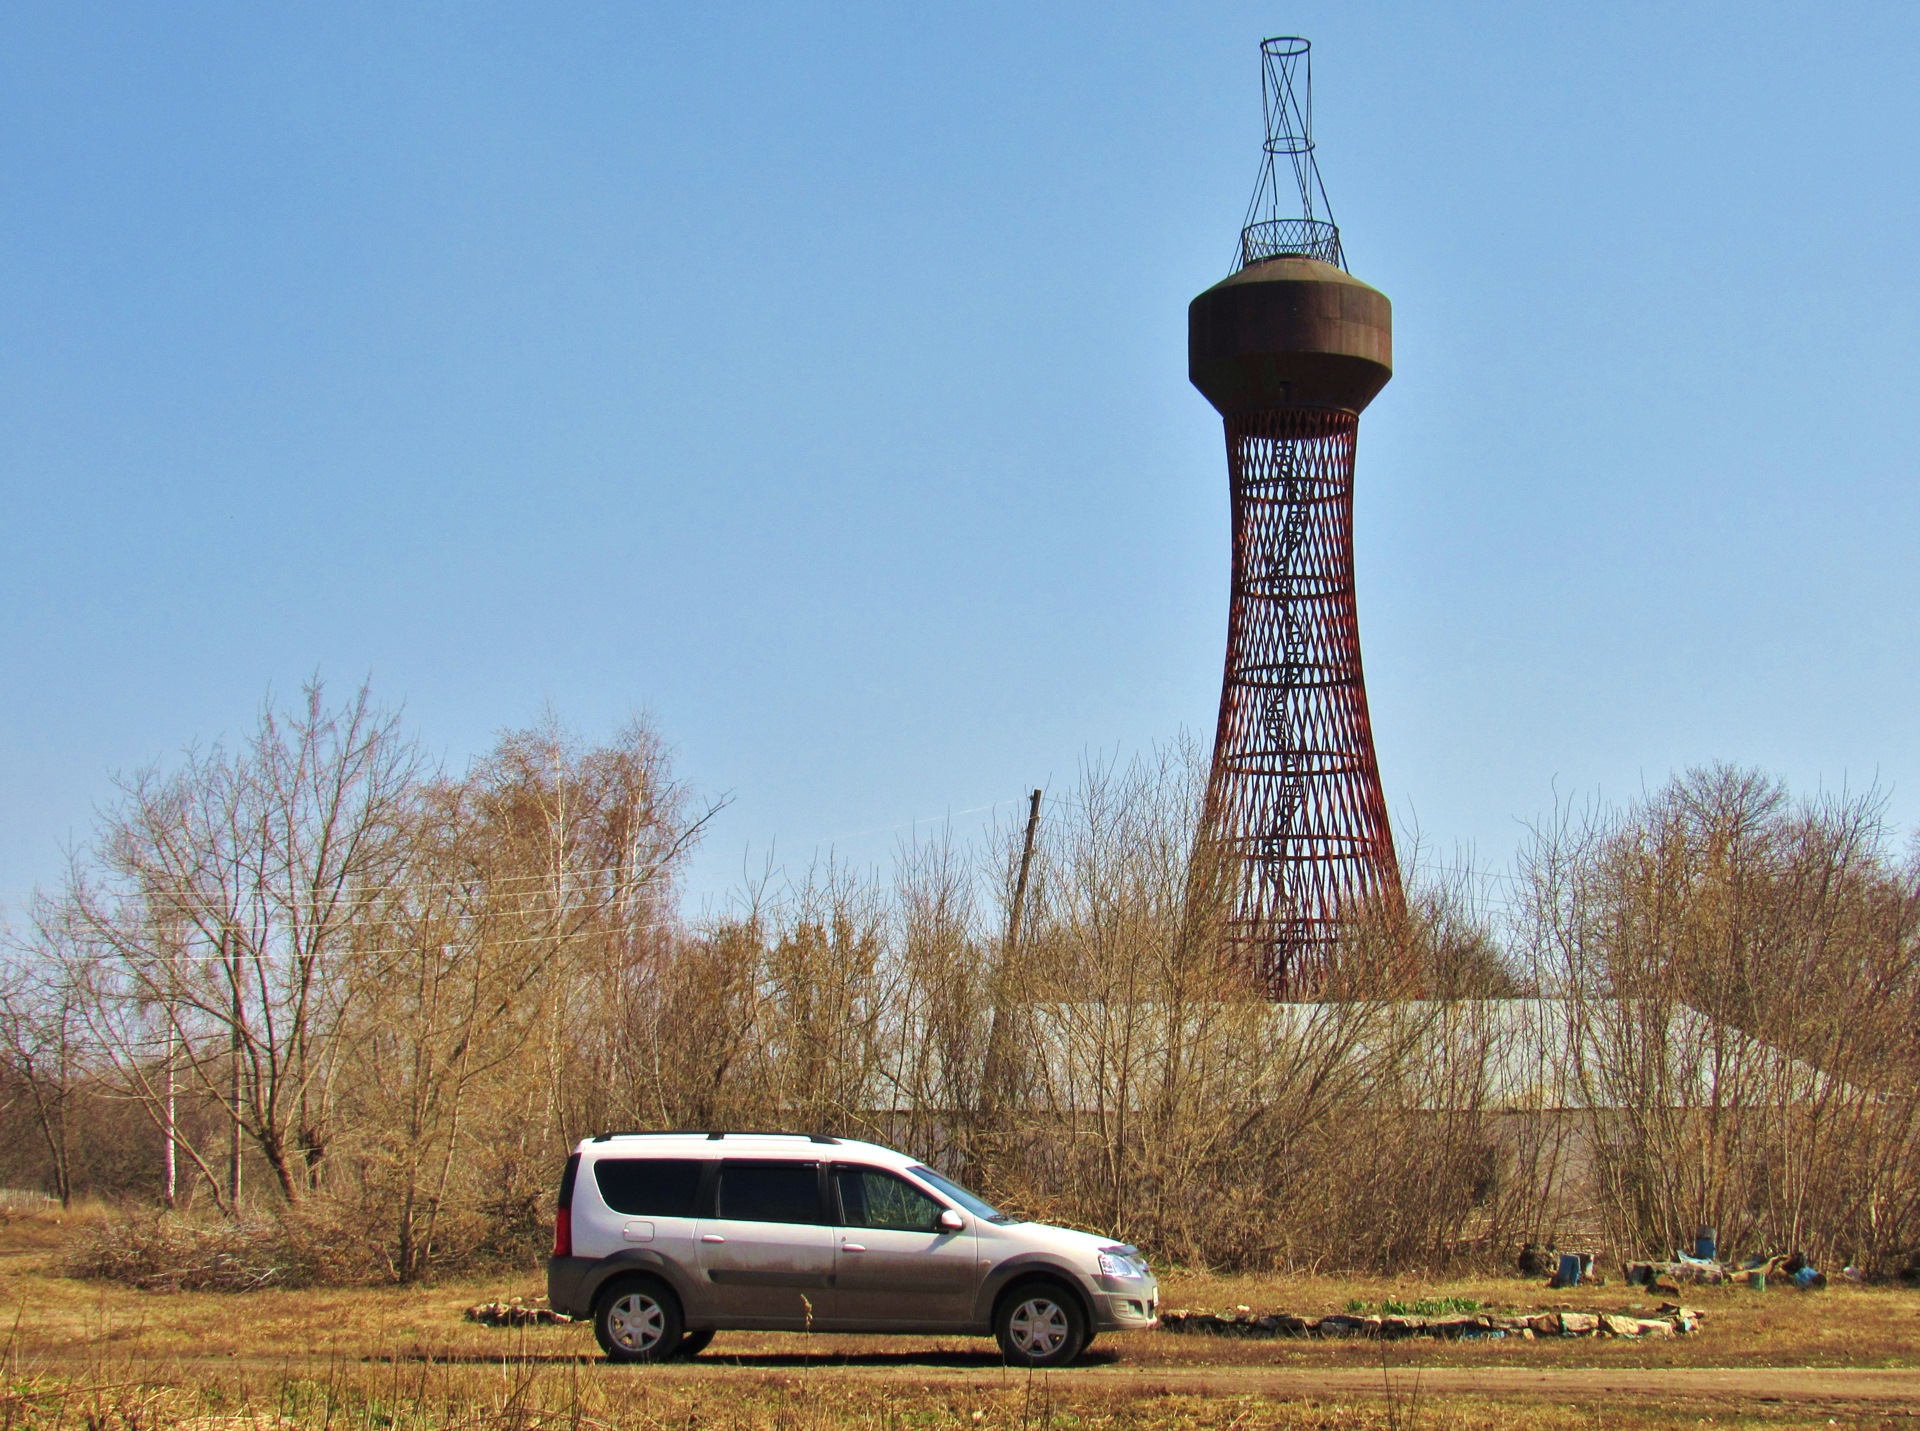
x=1060, y=1239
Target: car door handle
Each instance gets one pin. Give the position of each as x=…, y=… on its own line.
x=711, y=1237
x=852, y=1247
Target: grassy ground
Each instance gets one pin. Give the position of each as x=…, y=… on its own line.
x=105, y=1358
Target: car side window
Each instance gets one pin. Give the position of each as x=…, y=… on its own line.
x=872, y=1198
x=769, y=1192
x=648, y=1187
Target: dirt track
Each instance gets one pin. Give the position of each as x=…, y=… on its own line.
x=1787, y=1386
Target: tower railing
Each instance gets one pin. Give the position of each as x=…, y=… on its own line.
x=1274, y=238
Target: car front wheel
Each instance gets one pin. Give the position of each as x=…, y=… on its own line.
x=1040, y=1324
x=637, y=1320
x=693, y=1343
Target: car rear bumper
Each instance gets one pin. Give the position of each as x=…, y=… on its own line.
x=566, y=1284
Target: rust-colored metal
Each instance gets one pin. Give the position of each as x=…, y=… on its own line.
x=1295, y=796
x=1290, y=349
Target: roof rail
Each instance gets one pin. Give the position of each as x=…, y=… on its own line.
x=643, y=1133
x=749, y=1133
x=711, y=1136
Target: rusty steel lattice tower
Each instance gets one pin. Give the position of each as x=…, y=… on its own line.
x=1290, y=348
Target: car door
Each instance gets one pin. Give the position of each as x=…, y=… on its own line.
x=646, y=1203
x=766, y=1250
x=895, y=1265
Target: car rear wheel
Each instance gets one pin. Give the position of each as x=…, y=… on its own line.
x=637, y=1320
x=1040, y=1324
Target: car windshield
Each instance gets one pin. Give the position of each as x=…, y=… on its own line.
x=977, y=1206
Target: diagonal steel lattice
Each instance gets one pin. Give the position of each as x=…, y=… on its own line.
x=1294, y=796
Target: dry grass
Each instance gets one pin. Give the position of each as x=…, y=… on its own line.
x=92, y=1356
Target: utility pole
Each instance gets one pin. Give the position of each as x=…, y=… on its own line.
x=172, y=1164
x=1019, y=911
x=169, y=1154
x=993, y=1072
x=235, y=972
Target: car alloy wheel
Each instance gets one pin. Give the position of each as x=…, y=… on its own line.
x=636, y=1323
x=1039, y=1328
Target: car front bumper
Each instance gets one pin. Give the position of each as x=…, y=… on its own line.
x=1126, y=1307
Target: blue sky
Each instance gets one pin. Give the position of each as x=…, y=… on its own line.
x=813, y=378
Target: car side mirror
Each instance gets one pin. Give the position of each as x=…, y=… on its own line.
x=951, y=1221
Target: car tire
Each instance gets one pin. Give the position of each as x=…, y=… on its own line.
x=693, y=1343
x=637, y=1319
x=1039, y=1324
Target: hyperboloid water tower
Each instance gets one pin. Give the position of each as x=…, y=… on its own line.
x=1291, y=348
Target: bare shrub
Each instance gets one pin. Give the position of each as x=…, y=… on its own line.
x=163, y=1252
x=1744, y=975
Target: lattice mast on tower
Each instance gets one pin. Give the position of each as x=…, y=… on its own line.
x=1290, y=348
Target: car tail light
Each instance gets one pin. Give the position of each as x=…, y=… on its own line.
x=563, y=1210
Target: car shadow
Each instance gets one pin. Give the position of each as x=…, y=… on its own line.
x=951, y=1360
x=967, y=1360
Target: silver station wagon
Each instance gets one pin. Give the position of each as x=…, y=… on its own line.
x=666, y=1238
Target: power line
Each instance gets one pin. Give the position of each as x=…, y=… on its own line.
x=353, y=891
x=105, y=957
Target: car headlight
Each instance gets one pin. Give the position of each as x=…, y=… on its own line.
x=1114, y=1264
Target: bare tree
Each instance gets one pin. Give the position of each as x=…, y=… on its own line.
x=42, y=1038
x=220, y=910
x=530, y=889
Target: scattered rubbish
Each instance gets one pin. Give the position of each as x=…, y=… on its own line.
x=1704, y=1244
x=1672, y=1320
x=1672, y=1276
x=515, y=1313
x=1685, y=1271
x=1760, y=1270
x=1575, y=1269
x=1686, y=1320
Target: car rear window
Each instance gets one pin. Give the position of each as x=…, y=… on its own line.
x=770, y=1192
x=648, y=1187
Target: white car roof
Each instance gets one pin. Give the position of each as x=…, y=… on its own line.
x=797, y=1146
